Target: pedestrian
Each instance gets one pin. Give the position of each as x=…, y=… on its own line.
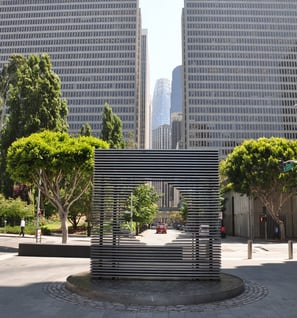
x=23, y=223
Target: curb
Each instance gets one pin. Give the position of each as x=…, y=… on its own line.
x=156, y=292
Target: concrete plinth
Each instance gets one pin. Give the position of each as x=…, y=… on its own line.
x=156, y=292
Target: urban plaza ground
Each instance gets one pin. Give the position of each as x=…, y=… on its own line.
x=35, y=286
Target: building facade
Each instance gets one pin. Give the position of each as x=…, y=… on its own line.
x=176, y=99
x=95, y=48
x=161, y=103
x=161, y=137
x=176, y=106
x=145, y=111
x=243, y=218
x=240, y=72
x=176, y=125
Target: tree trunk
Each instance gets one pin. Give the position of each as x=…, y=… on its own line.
x=282, y=230
x=137, y=229
x=64, y=226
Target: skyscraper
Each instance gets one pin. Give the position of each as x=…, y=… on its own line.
x=145, y=113
x=161, y=103
x=176, y=106
x=240, y=71
x=176, y=99
x=95, y=48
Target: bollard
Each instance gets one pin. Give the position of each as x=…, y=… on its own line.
x=290, y=248
x=250, y=248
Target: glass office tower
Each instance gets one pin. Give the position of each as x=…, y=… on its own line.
x=240, y=71
x=161, y=103
x=95, y=48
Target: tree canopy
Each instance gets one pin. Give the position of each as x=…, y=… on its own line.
x=59, y=165
x=112, y=128
x=253, y=169
x=144, y=205
x=32, y=98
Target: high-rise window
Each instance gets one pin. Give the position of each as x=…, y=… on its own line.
x=240, y=65
x=94, y=47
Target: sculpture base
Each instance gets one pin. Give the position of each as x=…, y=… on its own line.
x=156, y=292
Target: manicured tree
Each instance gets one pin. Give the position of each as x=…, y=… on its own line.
x=32, y=94
x=59, y=165
x=83, y=206
x=253, y=169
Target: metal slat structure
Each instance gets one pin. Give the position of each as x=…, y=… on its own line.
x=196, y=252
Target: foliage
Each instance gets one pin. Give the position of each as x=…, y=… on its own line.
x=86, y=130
x=184, y=210
x=144, y=205
x=112, y=129
x=32, y=94
x=253, y=169
x=81, y=208
x=60, y=165
x=13, y=210
x=176, y=217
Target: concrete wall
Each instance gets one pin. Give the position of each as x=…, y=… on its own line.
x=242, y=218
x=54, y=250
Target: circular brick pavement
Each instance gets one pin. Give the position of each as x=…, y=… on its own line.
x=253, y=292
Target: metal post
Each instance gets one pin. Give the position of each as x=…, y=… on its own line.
x=290, y=249
x=250, y=249
x=37, y=234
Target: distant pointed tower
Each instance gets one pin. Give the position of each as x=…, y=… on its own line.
x=161, y=114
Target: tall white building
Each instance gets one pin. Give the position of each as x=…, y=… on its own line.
x=95, y=48
x=240, y=72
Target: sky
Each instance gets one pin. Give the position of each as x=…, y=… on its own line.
x=162, y=19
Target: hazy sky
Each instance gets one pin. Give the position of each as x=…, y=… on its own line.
x=162, y=19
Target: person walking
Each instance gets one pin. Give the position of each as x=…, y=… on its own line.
x=23, y=223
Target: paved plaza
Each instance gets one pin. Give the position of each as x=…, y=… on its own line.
x=35, y=287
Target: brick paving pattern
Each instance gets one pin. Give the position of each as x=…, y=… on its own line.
x=253, y=292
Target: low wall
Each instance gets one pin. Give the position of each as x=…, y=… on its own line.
x=54, y=250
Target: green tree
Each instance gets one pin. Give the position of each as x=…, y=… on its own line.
x=81, y=208
x=32, y=94
x=59, y=165
x=86, y=130
x=184, y=210
x=112, y=129
x=13, y=210
x=144, y=205
x=253, y=169
x=9, y=77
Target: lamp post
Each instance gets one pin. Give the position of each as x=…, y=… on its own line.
x=38, y=234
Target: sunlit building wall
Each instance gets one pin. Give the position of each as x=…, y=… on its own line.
x=95, y=48
x=240, y=72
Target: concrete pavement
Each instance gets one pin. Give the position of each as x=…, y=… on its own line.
x=34, y=287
